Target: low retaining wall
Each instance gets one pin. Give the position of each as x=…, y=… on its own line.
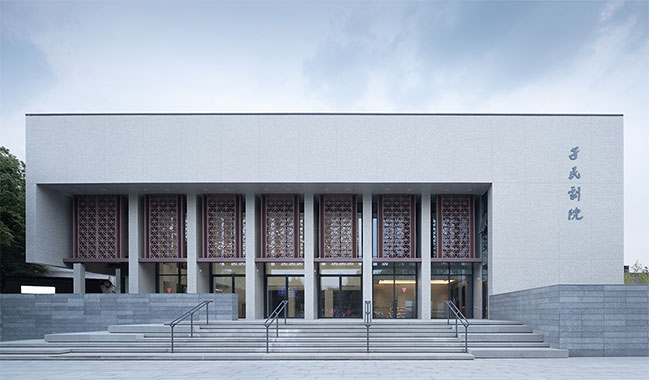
x=26, y=316
x=588, y=320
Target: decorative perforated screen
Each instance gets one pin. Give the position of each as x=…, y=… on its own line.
x=222, y=226
x=455, y=227
x=281, y=226
x=396, y=217
x=164, y=227
x=338, y=235
x=99, y=227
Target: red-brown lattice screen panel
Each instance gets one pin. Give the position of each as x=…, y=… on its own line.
x=280, y=226
x=455, y=228
x=397, y=228
x=164, y=227
x=222, y=226
x=338, y=226
x=99, y=228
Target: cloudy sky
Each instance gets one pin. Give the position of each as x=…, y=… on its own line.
x=200, y=56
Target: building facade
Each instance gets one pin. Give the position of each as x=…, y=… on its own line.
x=329, y=210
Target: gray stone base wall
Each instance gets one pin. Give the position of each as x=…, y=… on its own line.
x=26, y=316
x=588, y=320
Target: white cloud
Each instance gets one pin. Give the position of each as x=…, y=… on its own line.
x=107, y=59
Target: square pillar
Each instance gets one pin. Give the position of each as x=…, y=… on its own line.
x=192, y=243
x=141, y=277
x=118, y=280
x=424, y=270
x=134, y=242
x=79, y=278
x=252, y=311
x=367, y=247
x=310, y=282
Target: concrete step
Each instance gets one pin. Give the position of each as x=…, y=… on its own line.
x=100, y=336
x=247, y=356
x=259, y=349
x=503, y=337
x=312, y=336
x=33, y=350
x=343, y=340
x=517, y=353
x=229, y=348
x=296, y=340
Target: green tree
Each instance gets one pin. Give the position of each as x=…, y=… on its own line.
x=638, y=274
x=12, y=216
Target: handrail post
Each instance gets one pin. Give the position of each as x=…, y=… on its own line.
x=266, y=339
x=456, y=333
x=172, y=339
x=466, y=339
x=367, y=320
x=276, y=328
x=191, y=324
x=207, y=313
x=285, y=310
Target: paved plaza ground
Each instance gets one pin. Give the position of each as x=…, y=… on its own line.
x=492, y=369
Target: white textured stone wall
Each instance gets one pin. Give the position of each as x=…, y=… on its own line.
x=525, y=158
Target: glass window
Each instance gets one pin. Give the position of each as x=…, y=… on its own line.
x=351, y=297
x=329, y=296
x=240, y=289
x=382, y=268
x=405, y=268
x=275, y=292
x=171, y=278
x=341, y=268
x=341, y=293
x=229, y=268
x=285, y=268
x=296, y=297
x=222, y=284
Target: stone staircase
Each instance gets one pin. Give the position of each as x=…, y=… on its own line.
x=298, y=339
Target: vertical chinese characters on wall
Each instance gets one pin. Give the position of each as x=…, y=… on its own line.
x=575, y=191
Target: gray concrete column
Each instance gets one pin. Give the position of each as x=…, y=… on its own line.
x=424, y=269
x=134, y=242
x=309, y=254
x=118, y=280
x=367, y=247
x=251, y=254
x=192, y=243
x=79, y=278
x=141, y=277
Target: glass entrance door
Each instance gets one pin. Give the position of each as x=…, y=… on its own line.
x=230, y=278
x=454, y=282
x=395, y=290
x=340, y=297
x=285, y=281
x=280, y=288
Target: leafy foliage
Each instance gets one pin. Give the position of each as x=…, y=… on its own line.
x=638, y=274
x=12, y=216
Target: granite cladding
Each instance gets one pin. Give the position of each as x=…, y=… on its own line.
x=588, y=320
x=31, y=316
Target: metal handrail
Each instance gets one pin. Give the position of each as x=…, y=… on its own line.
x=190, y=314
x=274, y=317
x=458, y=317
x=367, y=321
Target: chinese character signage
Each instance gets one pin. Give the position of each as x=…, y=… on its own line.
x=575, y=191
